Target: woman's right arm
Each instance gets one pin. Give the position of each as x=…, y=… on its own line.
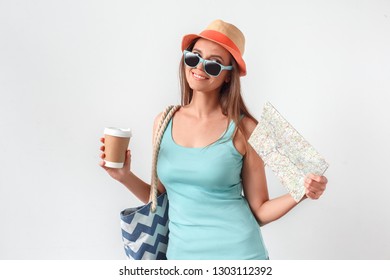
x=124, y=175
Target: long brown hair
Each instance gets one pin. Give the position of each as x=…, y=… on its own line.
x=230, y=97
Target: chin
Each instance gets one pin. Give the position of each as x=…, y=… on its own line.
x=201, y=88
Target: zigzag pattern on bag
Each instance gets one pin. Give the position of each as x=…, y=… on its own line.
x=142, y=226
x=152, y=234
x=149, y=251
x=144, y=222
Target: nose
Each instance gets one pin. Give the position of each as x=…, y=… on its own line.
x=200, y=66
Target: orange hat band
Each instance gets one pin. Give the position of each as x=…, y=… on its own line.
x=219, y=37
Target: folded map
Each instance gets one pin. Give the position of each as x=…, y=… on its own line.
x=285, y=151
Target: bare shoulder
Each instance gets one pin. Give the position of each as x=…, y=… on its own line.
x=177, y=111
x=248, y=125
x=240, y=139
x=156, y=120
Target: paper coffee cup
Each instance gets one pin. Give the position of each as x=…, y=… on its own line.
x=116, y=142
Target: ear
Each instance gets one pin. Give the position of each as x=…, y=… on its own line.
x=227, y=79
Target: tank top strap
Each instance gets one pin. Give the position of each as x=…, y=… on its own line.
x=169, y=131
x=229, y=131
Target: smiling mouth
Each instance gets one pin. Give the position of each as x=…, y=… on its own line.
x=198, y=77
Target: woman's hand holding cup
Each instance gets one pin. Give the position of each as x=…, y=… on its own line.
x=116, y=157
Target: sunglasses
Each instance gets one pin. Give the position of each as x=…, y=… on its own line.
x=212, y=68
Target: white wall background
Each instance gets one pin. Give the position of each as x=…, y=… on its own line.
x=70, y=68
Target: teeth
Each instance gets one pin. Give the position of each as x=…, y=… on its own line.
x=198, y=77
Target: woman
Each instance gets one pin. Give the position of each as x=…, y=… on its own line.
x=205, y=161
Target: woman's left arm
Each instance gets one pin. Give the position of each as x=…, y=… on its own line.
x=255, y=185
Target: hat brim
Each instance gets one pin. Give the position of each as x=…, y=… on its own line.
x=188, y=39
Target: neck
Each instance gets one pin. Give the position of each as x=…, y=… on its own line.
x=205, y=104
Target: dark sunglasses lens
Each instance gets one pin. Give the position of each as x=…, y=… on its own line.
x=191, y=59
x=212, y=68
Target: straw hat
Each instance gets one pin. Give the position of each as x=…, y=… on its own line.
x=225, y=34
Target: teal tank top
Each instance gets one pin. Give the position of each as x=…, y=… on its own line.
x=209, y=218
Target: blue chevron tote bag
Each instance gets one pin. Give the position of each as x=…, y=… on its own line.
x=145, y=228
x=145, y=233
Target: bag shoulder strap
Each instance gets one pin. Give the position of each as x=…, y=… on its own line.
x=162, y=125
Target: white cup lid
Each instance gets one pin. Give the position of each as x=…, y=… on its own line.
x=118, y=132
